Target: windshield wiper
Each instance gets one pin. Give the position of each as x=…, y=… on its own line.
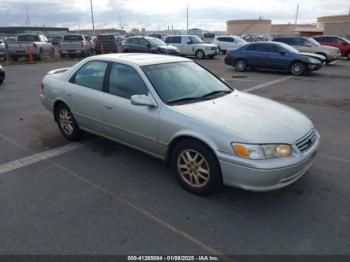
x=187, y=99
x=217, y=92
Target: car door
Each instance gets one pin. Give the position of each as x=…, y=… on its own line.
x=144, y=46
x=133, y=125
x=175, y=41
x=302, y=45
x=277, y=56
x=84, y=93
x=255, y=56
x=186, y=46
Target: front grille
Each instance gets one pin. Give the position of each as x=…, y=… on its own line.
x=213, y=48
x=307, y=141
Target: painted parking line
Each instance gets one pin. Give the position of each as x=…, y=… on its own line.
x=45, y=156
x=334, y=158
x=250, y=89
x=29, y=160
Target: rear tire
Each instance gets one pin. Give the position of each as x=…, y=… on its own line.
x=241, y=65
x=298, y=68
x=67, y=124
x=196, y=167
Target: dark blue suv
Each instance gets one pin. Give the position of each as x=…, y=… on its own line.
x=273, y=56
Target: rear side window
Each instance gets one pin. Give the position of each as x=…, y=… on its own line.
x=91, y=75
x=73, y=38
x=28, y=38
x=125, y=81
x=173, y=39
x=252, y=48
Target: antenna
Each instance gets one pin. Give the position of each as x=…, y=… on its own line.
x=296, y=14
x=28, y=18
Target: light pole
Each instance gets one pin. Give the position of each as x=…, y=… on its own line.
x=92, y=17
x=187, y=18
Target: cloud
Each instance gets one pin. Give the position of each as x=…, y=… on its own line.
x=206, y=14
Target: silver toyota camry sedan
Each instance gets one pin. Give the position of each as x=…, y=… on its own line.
x=176, y=110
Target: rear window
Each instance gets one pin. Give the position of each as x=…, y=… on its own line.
x=73, y=38
x=28, y=38
x=106, y=37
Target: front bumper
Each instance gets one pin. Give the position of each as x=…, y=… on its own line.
x=332, y=57
x=265, y=179
x=2, y=75
x=211, y=52
x=314, y=67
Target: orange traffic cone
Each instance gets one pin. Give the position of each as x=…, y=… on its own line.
x=30, y=55
x=102, y=49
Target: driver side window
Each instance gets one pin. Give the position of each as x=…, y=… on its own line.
x=125, y=81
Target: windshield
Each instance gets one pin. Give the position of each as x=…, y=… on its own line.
x=73, y=38
x=155, y=41
x=174, y=81
x=345, y=40
x=313, y=42
x=288, y=48
x=195, y=39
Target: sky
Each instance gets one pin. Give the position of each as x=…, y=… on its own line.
x=159, y=14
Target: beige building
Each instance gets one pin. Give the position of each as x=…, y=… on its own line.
x=249, y=26
x=288, y=29
x=335, y=25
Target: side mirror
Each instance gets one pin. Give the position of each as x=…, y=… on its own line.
x=189, y=42
x=142, y=100
x=345, y=43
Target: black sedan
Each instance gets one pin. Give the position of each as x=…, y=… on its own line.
x=140, y=44
x=273, y=56
x=2, y=74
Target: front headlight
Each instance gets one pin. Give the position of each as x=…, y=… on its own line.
x=259, y=152
x=314, y=61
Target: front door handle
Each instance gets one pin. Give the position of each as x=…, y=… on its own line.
x=108, y=107
x=69, y=94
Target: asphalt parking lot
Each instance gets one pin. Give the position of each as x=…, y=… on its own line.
x=99, y=197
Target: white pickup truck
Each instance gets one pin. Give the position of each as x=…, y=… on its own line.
x=38, y=44
x=74, y=44
x=192, y=45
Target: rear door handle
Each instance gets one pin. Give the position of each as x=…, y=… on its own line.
x=69, y=94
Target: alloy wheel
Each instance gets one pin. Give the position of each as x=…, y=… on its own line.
x=66, y=121
x=193, y=168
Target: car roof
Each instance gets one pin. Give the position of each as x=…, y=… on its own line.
x=140, y=59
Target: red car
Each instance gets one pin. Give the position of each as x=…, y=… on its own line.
x=336, y=41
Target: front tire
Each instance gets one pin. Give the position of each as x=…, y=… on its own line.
x=200, y=54
x=348, y=56
x=196, y=167
x=298, y=68
x=67, y=124
x=241, y=65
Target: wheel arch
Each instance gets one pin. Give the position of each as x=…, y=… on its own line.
x=55, y=106
x=188, y=136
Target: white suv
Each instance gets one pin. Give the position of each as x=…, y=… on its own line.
x=192, y=45
x=226, y=42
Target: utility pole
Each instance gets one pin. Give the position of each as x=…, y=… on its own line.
x=28, y=18
x=187, y=18
x=296, y=14
x=92, y=17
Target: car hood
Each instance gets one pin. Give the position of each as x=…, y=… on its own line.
x=250, y=118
